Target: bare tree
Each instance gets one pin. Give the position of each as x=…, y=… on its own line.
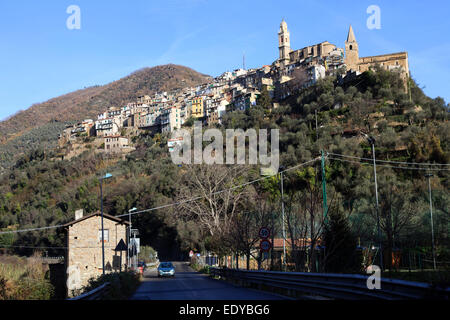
x=304, y=216
x=217, y=199
x=397, y=211
x=246, y=226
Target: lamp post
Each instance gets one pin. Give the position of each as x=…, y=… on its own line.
x=429, y=175
x=372, y=142
x=107, y=176
x=280, y=170
x=129, y=236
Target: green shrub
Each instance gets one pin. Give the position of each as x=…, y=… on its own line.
x=200, y=268
x=122, y=285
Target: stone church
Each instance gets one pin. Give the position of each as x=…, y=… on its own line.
x=321, y=53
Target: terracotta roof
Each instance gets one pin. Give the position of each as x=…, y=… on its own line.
x=98, y=213
x=116, y=136
x=278, y=242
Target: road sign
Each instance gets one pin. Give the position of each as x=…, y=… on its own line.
x=264, y=233
x=136, y=242
x=265, y=245
x=121, y=246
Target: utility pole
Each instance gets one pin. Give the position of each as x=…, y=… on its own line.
x=317, y=132
x=372, y=140
x=380, y=249
x=107, y=176
x=429, y=175
x=135, y=262
x=324, y=190
x=282, y=212
x=103, y=235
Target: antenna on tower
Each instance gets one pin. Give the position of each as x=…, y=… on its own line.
x=243, y=60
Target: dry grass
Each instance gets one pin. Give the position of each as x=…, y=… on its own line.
x=23, y=279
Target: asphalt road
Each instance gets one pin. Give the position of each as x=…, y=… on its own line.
x=190, y=285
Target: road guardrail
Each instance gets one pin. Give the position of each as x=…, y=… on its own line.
x=335, y=286
x=95, y=294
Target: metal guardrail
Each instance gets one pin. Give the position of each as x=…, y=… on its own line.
x=95, y=294
x=49, y=260
x=335, y=286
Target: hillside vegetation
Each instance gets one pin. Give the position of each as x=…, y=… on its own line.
x=40, y=125
x=415, y=128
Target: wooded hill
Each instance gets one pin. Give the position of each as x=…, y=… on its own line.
x=407, y=128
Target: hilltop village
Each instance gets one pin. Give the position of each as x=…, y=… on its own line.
x=165, y=112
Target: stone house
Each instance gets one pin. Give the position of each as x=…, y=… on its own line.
x=116, y=144
x=84, y=248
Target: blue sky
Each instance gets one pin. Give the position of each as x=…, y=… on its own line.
x=40, y=58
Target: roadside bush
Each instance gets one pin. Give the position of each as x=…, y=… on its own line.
x=200, y=268
x=24, y=279
x=123, y=285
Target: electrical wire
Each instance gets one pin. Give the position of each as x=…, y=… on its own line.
x=56, y=248
x=31, y=229
x=389, y=161
x=387, y=166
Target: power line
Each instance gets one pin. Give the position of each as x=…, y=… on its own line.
x=44, y=247
x=387, y=166
x=32, y=229
x=389, y=161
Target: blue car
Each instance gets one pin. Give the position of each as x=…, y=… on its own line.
x=166, y=269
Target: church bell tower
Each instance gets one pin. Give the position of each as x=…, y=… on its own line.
x=284, y=43
x=351, y=51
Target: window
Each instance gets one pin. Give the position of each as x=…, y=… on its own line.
x=105, y=233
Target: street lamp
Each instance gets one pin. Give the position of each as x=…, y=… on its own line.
x=429, y=175
x=129, y=235
x=280, y=170
x=372, y=142
x=107, y=176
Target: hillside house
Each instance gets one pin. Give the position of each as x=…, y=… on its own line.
x=116, y=144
